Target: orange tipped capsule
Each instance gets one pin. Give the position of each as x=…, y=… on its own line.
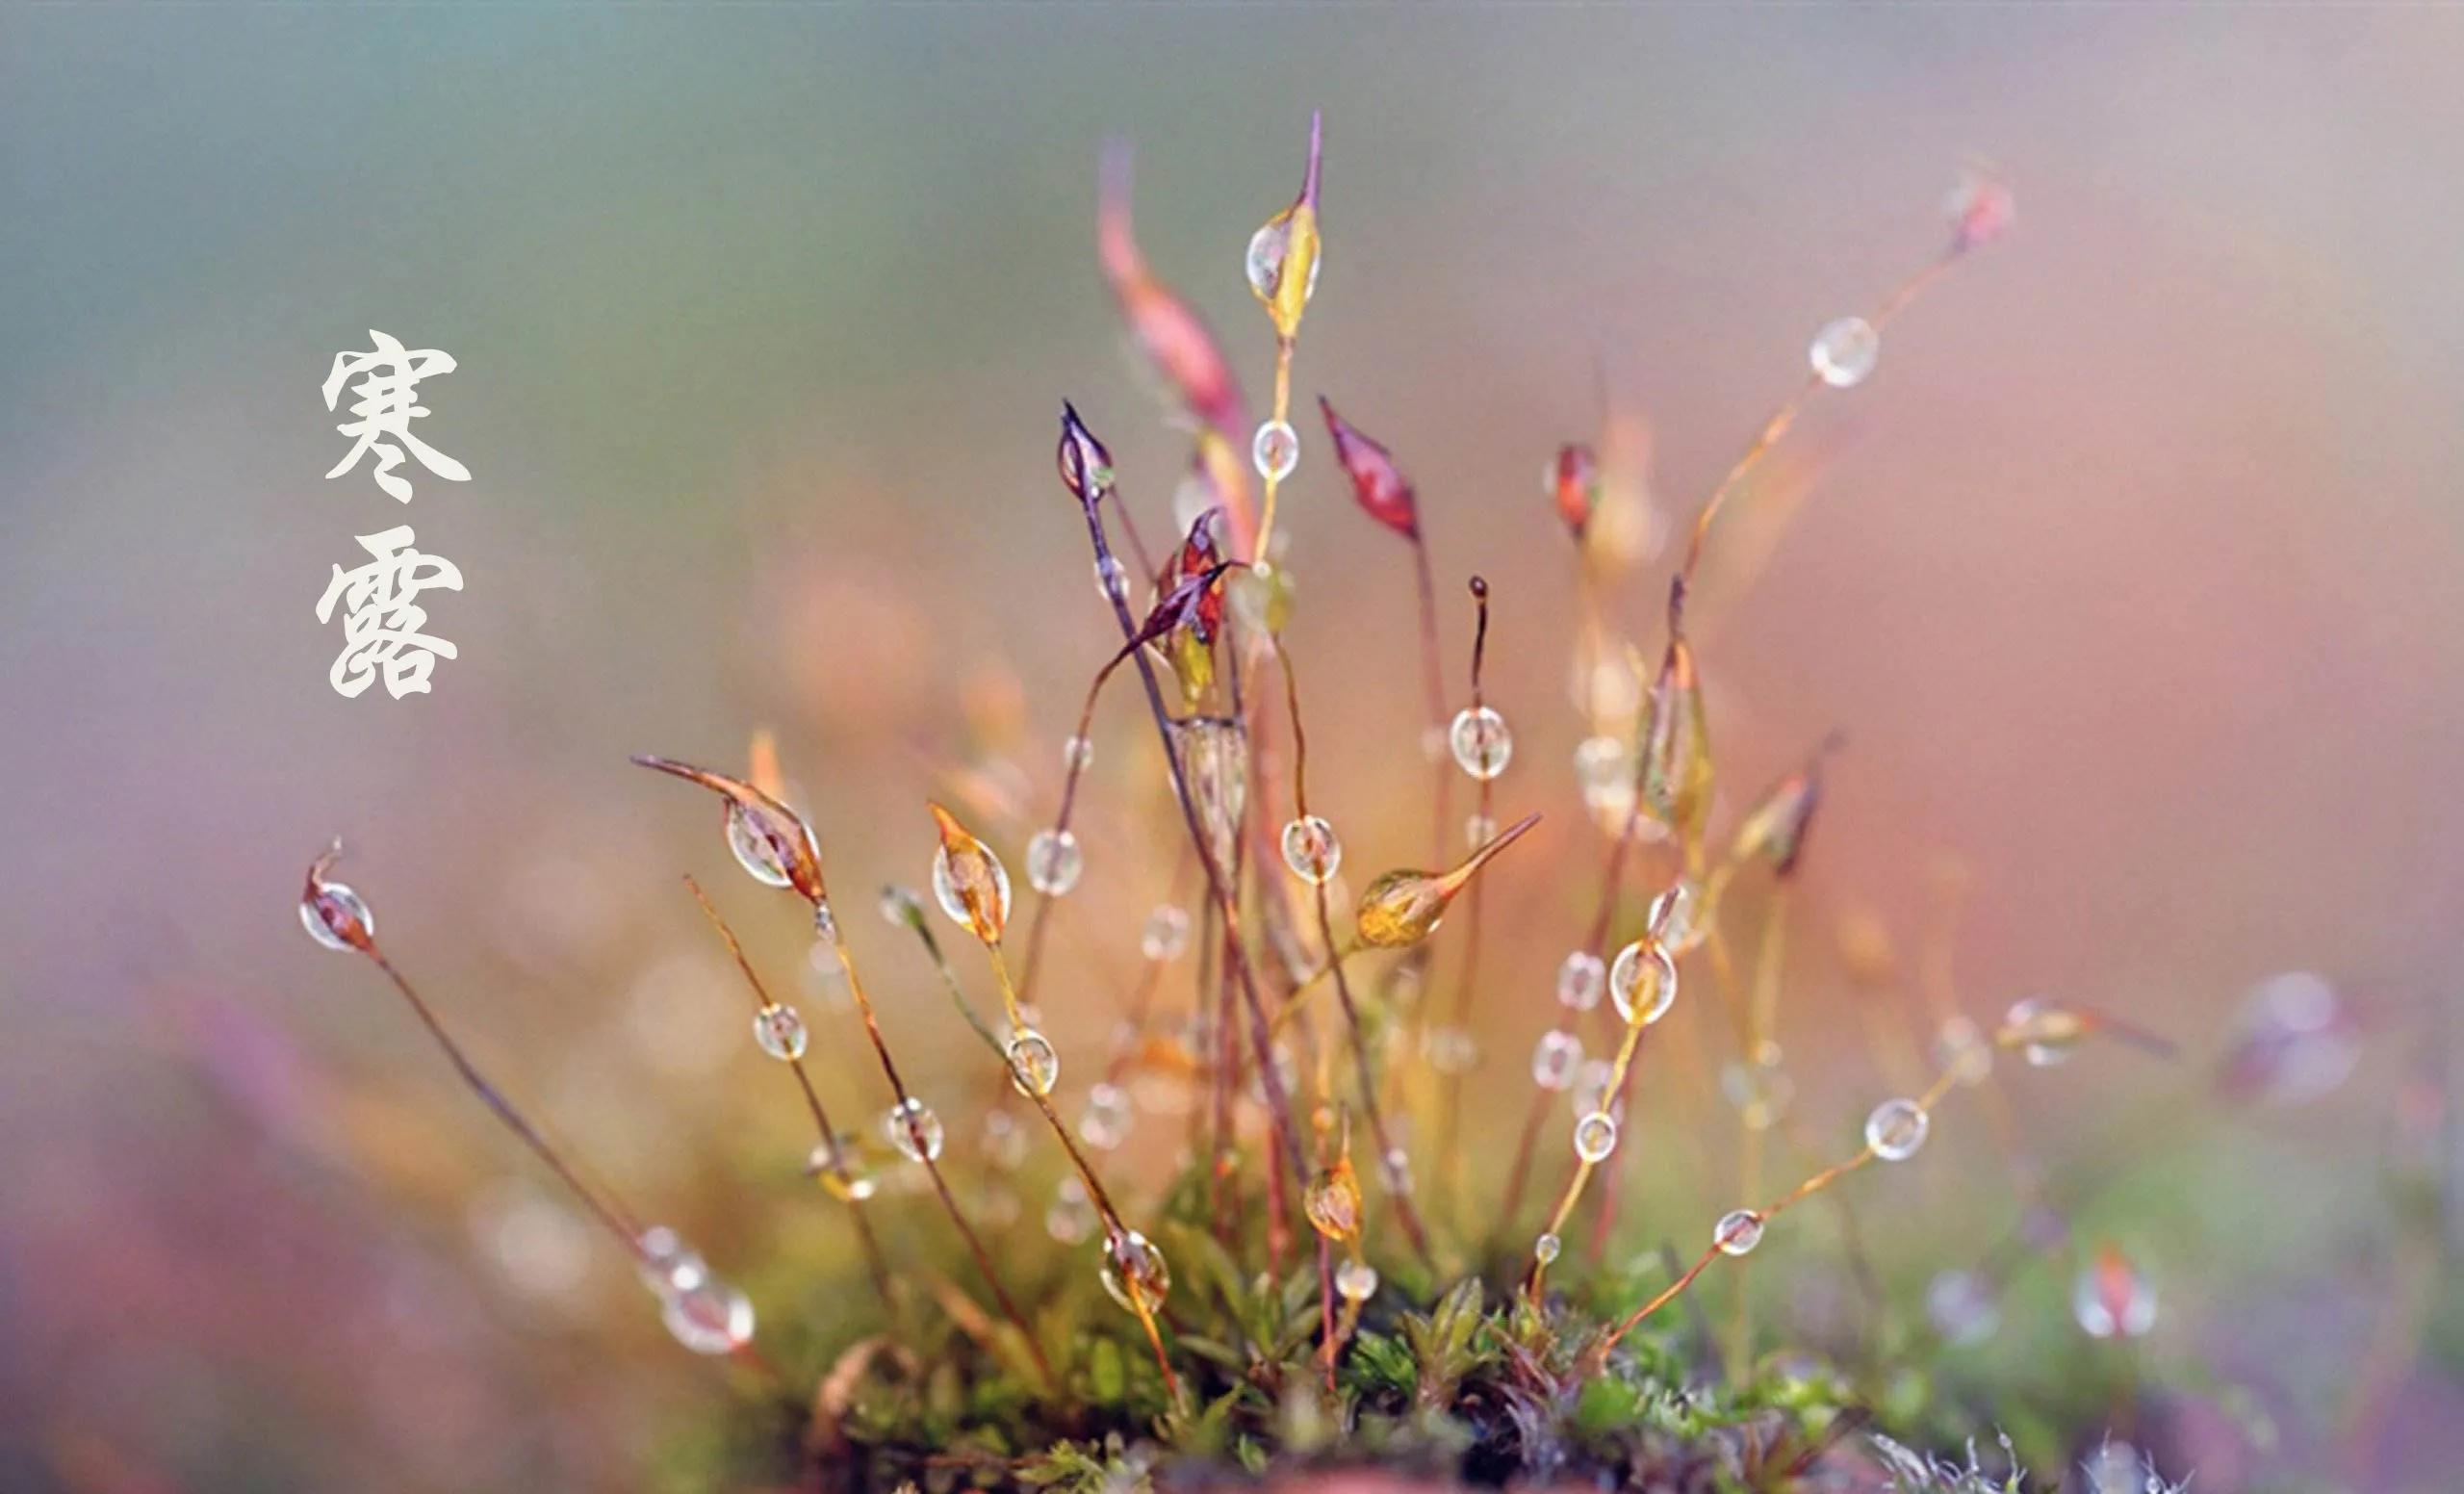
x=1402, y=907
x=2110, y=1299
x=970, y=881
x=770, y=840
x=1333, y=1200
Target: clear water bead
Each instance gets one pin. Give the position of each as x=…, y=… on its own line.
x=1674, y=918
x=1897, y=1128
x=1482, y=742
x=1844, y=351
x=1104, y=1122
x=1591, y=1086
x=1135, y=1272
x=701, y=1312
x=1166, y=934
x=1580, y=979
x=1004, y=1141
x=713, y=1318
x=2046, y=1032
x=1960, y=1305
x=1595, y=1136
x=1738, y=1232
x=780, y=1032
x=1264, y=262
x=1311, y=850
x=1035, y=1064
x=1545, y=1248
x=1760, y=1089
x=333, y=906
x=1555, y=1059
x=913, y=1129
x=1642, y=983
x=841, y=1168
x=985, y=868
x=1275, y=450
x=1398, y=1164
x=753, y=849
x=1071, y=1219
x=1451, y=1049
x=1054, y=861
x=1076, y=754
x=1355, y=1282
x=1111, y=578
x=1964, y=1050
x=1605, y=774
x=2112, y=1300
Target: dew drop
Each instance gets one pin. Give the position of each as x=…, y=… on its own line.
x=1960, y=1305
x=1595, y=1137
x=1311, y=850
x=1674, y=918
x=2045, y=1032
x=1275, y=450
x=1554, y=1061
x=1580, y=979
x=1738, y=1232
x=1398, y=1164
x=701, y=1312
x=1104, y=1124
x=1605, y=774
x=1004, y=1141
x=978, y=871
x=1760, y=1089
x=1897, y=1128
x=1643, y=983
x=1843, y=352
x=1166, y=934
x=913, y=1129
x=1135, y=1272
x=1112, y=579
x=1963, y=1051
x=780, y=1032
x=1054, y=861
x=1076, y=754
x=840, y=1168
x=1034, y=1064
x=1451, y=1049
x=753, y=849
x=1071, y=1219
x=329, y=913
x=1356, y=1280
x=1545, y=1248
x=1482, y=742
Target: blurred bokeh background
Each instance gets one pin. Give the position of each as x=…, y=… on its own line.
x=2131, y=577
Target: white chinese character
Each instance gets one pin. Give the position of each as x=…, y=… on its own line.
x=385, y=408
x=383, y=616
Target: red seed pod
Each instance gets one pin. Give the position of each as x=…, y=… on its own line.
x=1175, y=338
x=1376, y=481
x=1574, y=483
